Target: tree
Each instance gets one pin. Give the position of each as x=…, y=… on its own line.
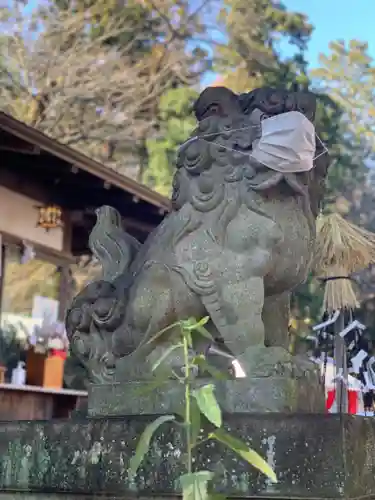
x=172, y=112
x=186, y=28
x=176, y=122
x=252, y=56
x=245, y=56
x=90, y=87
x=347, y=75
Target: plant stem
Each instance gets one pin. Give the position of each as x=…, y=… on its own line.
x=187, y=405
x=204, y=440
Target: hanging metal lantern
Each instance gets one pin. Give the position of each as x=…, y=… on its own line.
x=50, y=217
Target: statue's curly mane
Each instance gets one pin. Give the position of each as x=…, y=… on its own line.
x=238, y=241
x=221, y=114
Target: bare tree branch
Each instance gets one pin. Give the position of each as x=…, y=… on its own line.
x=82, y=89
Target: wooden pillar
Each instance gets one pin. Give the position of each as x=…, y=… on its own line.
x=341, y=367
x=65, y=274
x=64, y=290
x=2, y=270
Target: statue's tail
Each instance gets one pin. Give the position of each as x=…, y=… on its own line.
x=111, y=245
x=103, y=302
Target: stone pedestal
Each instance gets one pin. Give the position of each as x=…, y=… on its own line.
x=268, y=394
x=314, y=456
x=279, y=382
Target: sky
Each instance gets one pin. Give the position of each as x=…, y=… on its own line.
x=333, y=20
x=336, y=19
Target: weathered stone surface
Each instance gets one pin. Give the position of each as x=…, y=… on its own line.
x=67, y=496
x=238, y=240
x=279, y=382
x=43, y=496
x=314, y=456
x=267, y=394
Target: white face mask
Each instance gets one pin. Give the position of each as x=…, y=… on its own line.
x=287, y=143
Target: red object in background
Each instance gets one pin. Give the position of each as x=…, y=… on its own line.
x=59, y=353
x=352, y=401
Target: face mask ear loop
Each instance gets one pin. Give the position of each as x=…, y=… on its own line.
x=205, y=136
x=320, y=154
x=249, y=155
x=325, y=149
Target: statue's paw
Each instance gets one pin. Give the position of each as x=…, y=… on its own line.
x=141, y=365
x=275, y=361
x=303, y=366
x=133, y=368
x=79, y=314
x=261, y=361
x=78, y=319
x=121, y=347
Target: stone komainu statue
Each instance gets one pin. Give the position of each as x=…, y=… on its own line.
x=238, y=240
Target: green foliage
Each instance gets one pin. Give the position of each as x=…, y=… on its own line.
x=347, y=78
x=12, y=346
x=257, y=31
x=347, y=167
x=207, y=404
x=249, y=58
x=345, y=82
x=242, y=449
x=252, y=56
x=175, y=123
x=347, y=75
x=142, y=22
x=195, y=485
x=154, y=25
x=144, y=442
x=200, y=404
x=308, y=302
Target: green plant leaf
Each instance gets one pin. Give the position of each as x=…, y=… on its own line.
x=203, y=321
x=216, y=496
x=204, y=332
x=195, y=423
x=202, y=363
x=195, y=485
x=189, y=339
x=192, y=324
x=163, y=331
x=165, y=355
x=207, y=404
x=241, y=448
x=187, y=324
x=144, y=443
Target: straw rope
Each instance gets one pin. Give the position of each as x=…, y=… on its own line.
x=342, y=248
